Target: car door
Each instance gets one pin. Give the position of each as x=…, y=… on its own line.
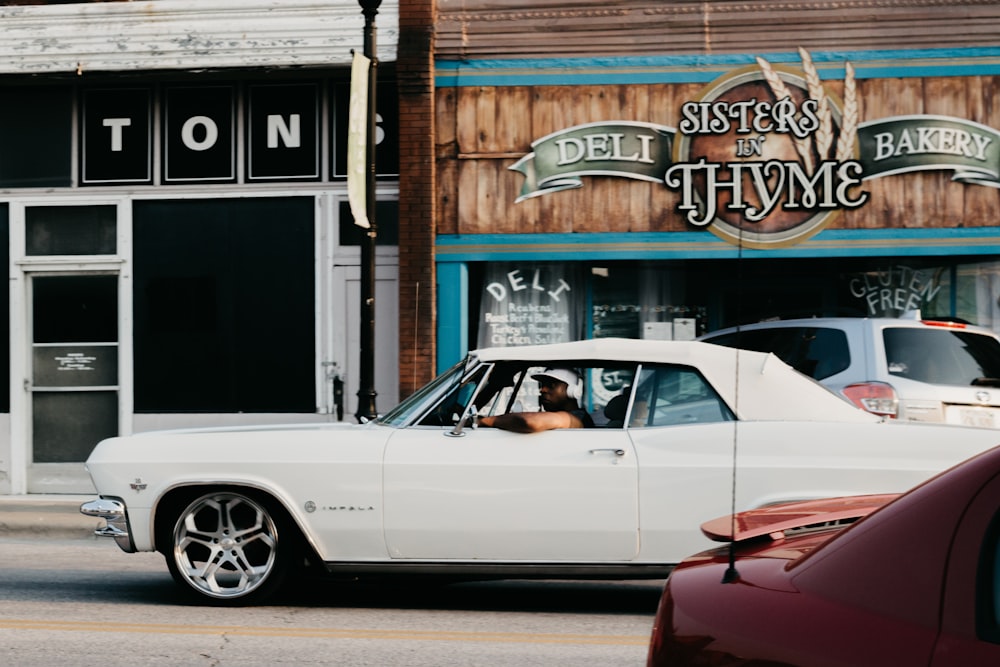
x=568, y=495
x=970, y=619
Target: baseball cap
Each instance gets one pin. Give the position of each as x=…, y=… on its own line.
x=570, y=377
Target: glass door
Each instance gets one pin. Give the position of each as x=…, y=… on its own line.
x=74, y=371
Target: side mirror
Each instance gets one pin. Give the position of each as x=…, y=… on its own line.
x=468, y=417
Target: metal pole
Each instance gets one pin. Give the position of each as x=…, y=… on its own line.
x=366, y=387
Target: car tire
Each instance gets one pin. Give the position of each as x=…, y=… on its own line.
x=230, y=549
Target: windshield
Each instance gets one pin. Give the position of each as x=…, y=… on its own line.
x=942, y=356
x=418, y=402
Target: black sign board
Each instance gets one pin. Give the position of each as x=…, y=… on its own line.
x=386, y=124
x=283, y=132
x=283, y=127
x=117, y=136
x=199, y=134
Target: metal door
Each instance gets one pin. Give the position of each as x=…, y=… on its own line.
x=346, y=344
x=73, y=385
x=562, y=495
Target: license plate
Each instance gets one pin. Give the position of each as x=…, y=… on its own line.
x=978, y=417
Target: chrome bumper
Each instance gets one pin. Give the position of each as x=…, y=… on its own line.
x=114, y=512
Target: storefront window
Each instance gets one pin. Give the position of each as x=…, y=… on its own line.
x=956, y=289
x=643, y=300
x=615, y=309
x=977, y=293
x=894, y=290
x=224, y=305
x=70, y=230
x=531, y=304
x=681, y=300
x=36, y=136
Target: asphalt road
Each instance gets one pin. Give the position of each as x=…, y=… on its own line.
x=83, y=602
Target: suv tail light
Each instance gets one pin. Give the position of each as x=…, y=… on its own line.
x=944, y=323
x=875, y=397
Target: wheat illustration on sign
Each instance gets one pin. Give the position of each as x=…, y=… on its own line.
x=822, y=139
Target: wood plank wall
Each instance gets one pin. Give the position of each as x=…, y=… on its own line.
x=545, y=28
x=482, y=131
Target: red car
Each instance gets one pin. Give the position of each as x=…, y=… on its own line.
x=916, y=581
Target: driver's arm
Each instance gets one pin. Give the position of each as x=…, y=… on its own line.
x=532, y=422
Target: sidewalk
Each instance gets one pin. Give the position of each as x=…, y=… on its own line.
x=46, y=516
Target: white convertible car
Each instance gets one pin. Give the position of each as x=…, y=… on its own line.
x=422, y=490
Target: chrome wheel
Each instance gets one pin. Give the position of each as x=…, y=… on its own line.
x=225, y=547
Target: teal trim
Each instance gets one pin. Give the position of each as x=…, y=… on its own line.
x=704, y=245
x=453, y=314
x=906, y=63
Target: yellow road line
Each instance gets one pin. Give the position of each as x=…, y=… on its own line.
x=322, y=633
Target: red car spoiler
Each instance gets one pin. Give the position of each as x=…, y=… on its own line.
x=775, y=519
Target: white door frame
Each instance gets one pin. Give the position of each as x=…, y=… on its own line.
x=342, y=292
x=69, y=477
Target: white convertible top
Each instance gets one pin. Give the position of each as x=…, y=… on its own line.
x=765, y=388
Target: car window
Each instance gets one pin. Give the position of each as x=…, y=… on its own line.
x=522, y=397
x=420, y=400
x=509, y=386
x=818, y=352
x=988, y=585
x=995, y=565
x=599, y=386
x=671, y=395
x=610, y=390
x=941, y=356
x=450, y=409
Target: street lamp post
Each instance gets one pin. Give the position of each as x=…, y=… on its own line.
x=366, y=388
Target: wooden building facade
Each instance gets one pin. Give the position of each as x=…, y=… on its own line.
x=660, y=169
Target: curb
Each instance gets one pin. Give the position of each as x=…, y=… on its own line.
x=50, y=517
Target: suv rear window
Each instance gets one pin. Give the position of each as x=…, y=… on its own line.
x=815, y=351
x=942, y=356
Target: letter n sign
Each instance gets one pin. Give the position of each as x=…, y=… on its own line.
x=199, y=134
x=117, y=136
x=283, y=132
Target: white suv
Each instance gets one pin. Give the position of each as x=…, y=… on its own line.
x=909, y=369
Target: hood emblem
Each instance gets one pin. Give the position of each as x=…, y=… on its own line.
x=983, y=396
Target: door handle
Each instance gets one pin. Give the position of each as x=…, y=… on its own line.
x=337, y=387
x=617, y=452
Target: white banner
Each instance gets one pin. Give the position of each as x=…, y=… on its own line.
x=357, y=140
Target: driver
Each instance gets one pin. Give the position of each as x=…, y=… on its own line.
x=558, y=393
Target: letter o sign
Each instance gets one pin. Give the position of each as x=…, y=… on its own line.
x=211, y=133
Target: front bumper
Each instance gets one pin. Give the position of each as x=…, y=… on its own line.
x=113, y=511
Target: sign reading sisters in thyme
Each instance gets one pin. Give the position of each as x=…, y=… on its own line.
x=765, y=156
x=530, y=304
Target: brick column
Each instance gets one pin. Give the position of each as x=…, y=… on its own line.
x=417, y=182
